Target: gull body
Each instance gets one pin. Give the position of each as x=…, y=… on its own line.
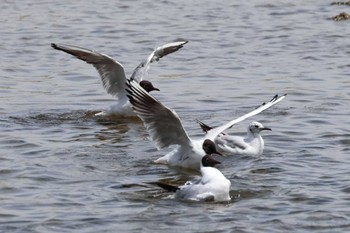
x=165, y=127
x=113, y=75
x=252, y=144
x=212, y=186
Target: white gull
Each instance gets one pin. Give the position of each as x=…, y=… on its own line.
x=212, y=186
x=165, y=128
x=252, y=144
x=113, y=75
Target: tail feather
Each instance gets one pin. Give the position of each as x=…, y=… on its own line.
x=168, y=187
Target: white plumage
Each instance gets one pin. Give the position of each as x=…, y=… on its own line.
x=213, y=186
x=252, y=144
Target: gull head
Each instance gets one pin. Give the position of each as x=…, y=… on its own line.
x=209, y=161
x=209, y=147
x=256, y=127
x=148, y=86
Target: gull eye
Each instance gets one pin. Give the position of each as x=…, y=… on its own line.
x=256, y=126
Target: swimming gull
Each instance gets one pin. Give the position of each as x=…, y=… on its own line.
x=252, y=144
x=212, y=186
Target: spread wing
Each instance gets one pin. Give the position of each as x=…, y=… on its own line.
x=111, y=72
x=213, y=133
x=158, y=53
x=162, y=123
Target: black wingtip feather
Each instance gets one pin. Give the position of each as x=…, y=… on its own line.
x=204, y=127
x=57, y=47
x=53, y=45
x=274, y=98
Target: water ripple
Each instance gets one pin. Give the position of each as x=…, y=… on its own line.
x=66, y=170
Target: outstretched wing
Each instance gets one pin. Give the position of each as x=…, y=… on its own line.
x=111, y=72
x=213, y=133
x=158, y=53
x=162, y=123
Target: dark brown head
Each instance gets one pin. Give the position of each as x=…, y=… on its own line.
x=209, y=147
x=210, y=150
x=148, y=86
x=209, y=161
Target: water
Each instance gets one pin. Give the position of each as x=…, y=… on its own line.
x=64, y=170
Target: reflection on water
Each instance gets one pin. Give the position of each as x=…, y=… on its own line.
x=63, y=169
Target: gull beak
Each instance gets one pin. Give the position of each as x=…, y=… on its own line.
x=266, y=128
x=155, y=89
x=211, y=161
x=218, y=153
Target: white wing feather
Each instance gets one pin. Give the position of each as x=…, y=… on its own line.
x=158, y=53
x=213, y=133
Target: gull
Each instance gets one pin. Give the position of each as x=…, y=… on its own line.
x=113, y=75
x=212, y=186
x=252, y=144
x=165, y=128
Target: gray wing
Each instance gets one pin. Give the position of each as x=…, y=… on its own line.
x=225, y=139
x=231, y=142
x=158, y=53
x=162, y=123
x=213, y=133
x=111, y=72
